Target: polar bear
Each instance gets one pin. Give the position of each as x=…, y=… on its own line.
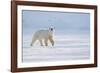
x=43, y=35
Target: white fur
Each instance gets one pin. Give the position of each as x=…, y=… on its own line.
x=43, y=35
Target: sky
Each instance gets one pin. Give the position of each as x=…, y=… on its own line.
x=62, y=22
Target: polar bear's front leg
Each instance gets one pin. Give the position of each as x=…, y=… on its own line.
x=51, y=40
x=40, y=42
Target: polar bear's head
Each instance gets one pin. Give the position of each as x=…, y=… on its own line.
x=51, y=30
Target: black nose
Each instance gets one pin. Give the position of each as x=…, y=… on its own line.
x=51, y=29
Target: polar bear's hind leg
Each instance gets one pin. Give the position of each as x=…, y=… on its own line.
x=33, y=41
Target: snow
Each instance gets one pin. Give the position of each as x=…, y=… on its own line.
x=65, y=48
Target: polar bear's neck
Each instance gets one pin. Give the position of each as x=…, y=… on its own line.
x=51, y=32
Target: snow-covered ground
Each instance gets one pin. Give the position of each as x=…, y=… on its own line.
x=69, y=47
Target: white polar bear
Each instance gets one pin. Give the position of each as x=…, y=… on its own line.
x=43, y=35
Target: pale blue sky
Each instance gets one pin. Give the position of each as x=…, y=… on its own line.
x=63, y=22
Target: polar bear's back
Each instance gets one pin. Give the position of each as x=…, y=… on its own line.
x=42, y=34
